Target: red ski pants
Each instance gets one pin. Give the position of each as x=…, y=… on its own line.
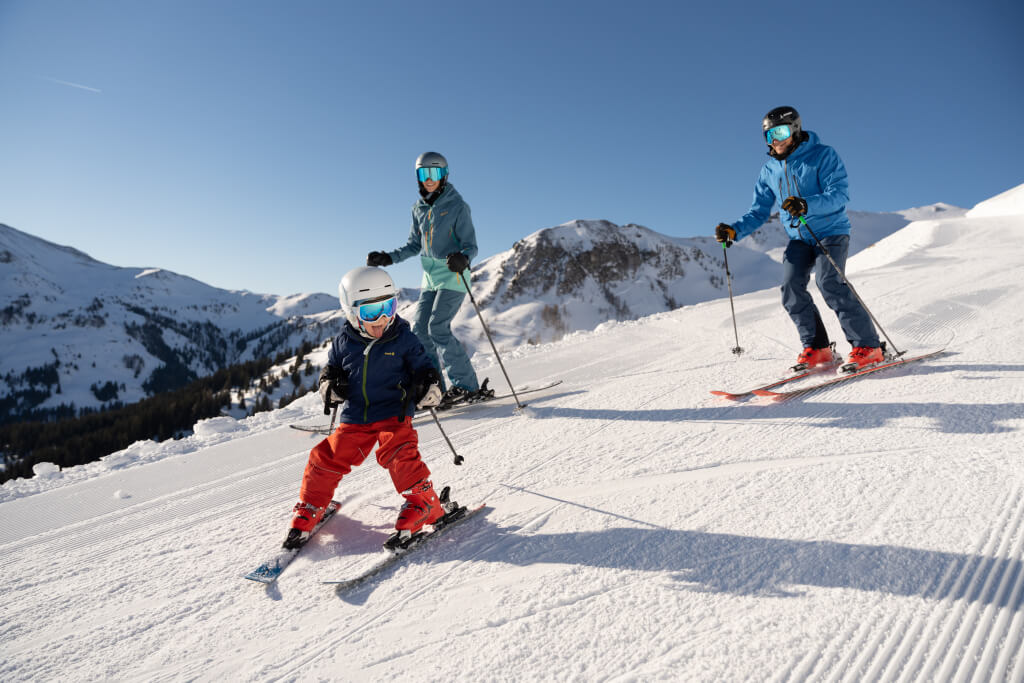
x=348, y=446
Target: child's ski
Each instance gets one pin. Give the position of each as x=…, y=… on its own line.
x=272, y=568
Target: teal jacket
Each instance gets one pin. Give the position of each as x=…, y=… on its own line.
x=813, y=171
x=438, y=230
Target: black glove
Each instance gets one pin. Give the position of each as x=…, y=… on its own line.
x=725, y=233
x=378, y=259
x=795, y=206
x=457, y=262
x=422, y=381
x=333, y=386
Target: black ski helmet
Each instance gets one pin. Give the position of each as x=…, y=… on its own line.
x=781, y=116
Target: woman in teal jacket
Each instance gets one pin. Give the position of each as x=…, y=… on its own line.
x=443, y=235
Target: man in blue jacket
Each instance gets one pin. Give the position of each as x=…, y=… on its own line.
x=442, y=234
x=807, y=178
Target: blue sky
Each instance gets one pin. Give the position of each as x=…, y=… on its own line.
x=269, y=145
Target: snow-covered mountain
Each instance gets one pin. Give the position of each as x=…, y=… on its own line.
x=84, y=333
x=576, y=276
x=78, y=331
x=636, y=527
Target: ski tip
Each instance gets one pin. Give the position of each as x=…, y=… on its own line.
x=768, y=393
x=727, y=395
x=265, y=577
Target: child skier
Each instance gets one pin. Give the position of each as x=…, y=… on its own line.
x=379, y=373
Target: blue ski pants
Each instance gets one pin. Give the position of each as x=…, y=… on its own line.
x=798, y=262
x=433, y=327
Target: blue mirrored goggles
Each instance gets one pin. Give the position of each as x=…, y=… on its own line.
x=434, y=173
x=370, y=311
x=778, y=133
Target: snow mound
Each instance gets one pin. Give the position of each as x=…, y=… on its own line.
x=217, y=425
x=46, y=470
x=1009, y=203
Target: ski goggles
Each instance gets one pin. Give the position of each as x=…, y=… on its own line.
x=370, y=311
x=778, y=133
x=433, y=173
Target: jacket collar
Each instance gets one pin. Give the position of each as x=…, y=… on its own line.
x=443, y=195
x=807, y=140
x=390, y=333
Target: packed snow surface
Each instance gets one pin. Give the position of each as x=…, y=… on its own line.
x=636, y=527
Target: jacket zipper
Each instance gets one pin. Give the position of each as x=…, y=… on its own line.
x=795, y=192
x=366, y=365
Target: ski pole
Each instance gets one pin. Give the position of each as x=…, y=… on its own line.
x=728, y=279
x=849, y=284
x=519, y=406
x=458, y=458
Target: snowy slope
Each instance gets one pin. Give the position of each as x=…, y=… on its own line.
x=637, y=527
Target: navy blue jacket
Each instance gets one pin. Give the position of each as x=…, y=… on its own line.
x=379, y=371
x=813, y=171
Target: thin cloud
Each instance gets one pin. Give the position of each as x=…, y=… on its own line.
x=74, y=85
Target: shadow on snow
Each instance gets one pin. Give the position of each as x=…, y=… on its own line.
x=735, y=564
x=952, y=418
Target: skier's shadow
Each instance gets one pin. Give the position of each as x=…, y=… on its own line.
x=370, y=547
x=723, y=563
x=950, y=418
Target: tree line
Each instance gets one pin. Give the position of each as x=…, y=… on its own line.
x=91, y=435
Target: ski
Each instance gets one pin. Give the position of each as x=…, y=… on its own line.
x=272, y=568
x=393, y=557
x=737, y=396
x=453, y=410
x=885, y=365
x=459, y=407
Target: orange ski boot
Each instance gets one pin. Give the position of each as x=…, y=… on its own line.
x=812, y=358
x=861, y=357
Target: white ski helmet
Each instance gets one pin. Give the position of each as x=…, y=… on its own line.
x=361, y=285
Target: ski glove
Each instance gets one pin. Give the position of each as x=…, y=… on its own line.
x=457, y=262
x=378, y=259
x=431, y=398
x=725, y=233
x=426, y=388
x=795, y=206
x=333, y=386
